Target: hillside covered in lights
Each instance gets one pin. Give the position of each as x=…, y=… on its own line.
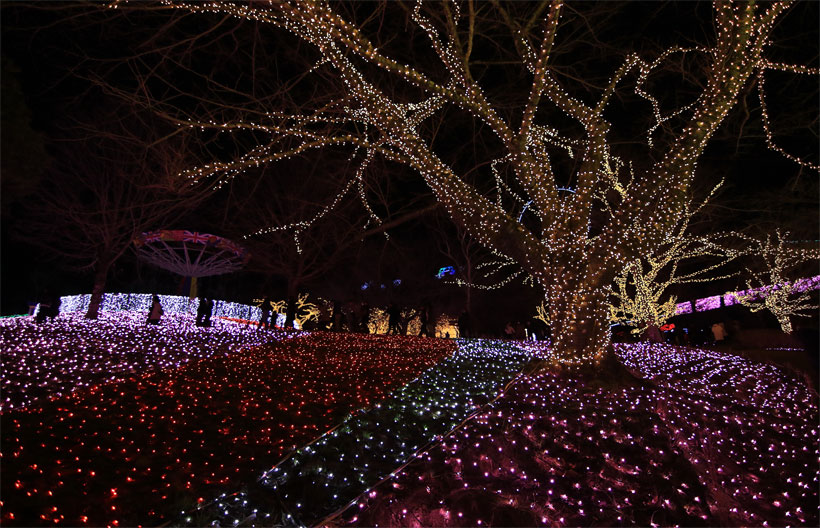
x=113, y=422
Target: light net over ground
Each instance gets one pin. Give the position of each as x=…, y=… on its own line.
x=113, y=422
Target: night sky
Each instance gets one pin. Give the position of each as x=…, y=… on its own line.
x=56, y=58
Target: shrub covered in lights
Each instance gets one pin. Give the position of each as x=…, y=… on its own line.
x=171, y=304
x=307, y=310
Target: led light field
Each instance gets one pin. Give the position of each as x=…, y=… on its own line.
x=324, y=476
x=138, y=445
x=70, y=353
x=189, y=426
x=713, y=441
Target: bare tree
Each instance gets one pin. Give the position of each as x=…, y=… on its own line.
x=108, y=185
x=464, y=253
x=291, y=225
x=24, y=158
x=536, y=107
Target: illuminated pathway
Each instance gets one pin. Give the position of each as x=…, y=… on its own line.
x=330, y=472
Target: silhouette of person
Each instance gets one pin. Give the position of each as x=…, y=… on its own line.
x=351, y=319
x=509, y=330
x=718, y=333
x=653, y=333
x=364, y=324
x=337, y=316
x=155, y=313
x=464, y=324
x=519, y=330
x=49, y=307
x=264, y=318
x=290, y=316
x=209, y=313
x=325, y=320
x=203, y=312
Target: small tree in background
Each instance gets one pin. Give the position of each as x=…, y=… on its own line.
x=774, y=285
x=641, y=295
x=107, y=186
x=289, y=228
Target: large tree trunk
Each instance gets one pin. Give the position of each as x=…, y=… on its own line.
x=578, y=310
x=100, y=276
x=574, y=267
x=579, y=326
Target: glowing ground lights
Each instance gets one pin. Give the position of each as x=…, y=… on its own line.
x=437, y=437
x=331, y=471
x=143, y=447
x=556, y=451
x=42, y=360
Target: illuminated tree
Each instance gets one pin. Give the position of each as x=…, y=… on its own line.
x=641, y=292
x=565, y=201
x=773, y=286
x=542, y=314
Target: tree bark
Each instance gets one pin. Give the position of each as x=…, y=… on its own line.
x=575, y=263
x=578, y=309
x=100, y=276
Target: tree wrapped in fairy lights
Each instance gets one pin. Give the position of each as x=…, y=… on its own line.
x=772, y=285
x=641, y=293
x=544, y=183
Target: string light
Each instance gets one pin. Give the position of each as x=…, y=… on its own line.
x=769, y=65
x=782, y=297
x=115, y=422
x=574, y=266
x=641, y=294
x=708, y=435
x=331, y=471
x=171, y=304
x=710, y=439
x=805, y=284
